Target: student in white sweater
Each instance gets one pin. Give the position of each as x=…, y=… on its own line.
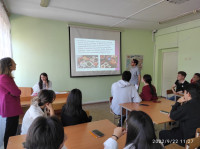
x=44, y=83
x=122, y=92
x=40, y=106
x=140, y=133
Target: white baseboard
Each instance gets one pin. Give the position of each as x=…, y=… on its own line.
x=94, y=102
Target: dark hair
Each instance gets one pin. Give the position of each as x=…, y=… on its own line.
x=126, y=76
x=5, y=64
x=147, y=78
x=73, y=106
x=183, y=73
x=45, y=133
x=141, y=131
x=197, y=74
x=194, y=90
x=135, y=61
x=40, y=80
x=45, y=96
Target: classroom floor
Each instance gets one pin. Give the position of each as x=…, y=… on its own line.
x=101, y=111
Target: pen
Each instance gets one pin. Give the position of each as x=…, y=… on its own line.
x=93, y=134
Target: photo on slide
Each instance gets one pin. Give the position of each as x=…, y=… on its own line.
x=87, y=61
x=108, y=61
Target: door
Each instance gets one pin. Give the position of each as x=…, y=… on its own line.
x=169, y=71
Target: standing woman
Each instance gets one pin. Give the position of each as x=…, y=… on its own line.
x=10, y=107
x=44, y=83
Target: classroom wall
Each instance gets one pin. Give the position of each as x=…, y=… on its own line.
x=184, y=38
x=41, y=45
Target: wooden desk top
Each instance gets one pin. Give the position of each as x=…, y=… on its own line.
x=60, y=99
x=153, y=110
x=78, y=136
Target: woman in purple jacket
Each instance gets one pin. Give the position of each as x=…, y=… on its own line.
x=10, y=107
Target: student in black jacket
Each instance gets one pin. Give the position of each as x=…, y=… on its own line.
x=72, y=112
x=187, y=112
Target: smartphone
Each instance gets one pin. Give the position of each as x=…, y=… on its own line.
x=165, y=112
x=143, y=104
x=97, y=133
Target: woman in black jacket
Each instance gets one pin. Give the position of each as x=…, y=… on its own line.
x=72, y=112
x=187, y=112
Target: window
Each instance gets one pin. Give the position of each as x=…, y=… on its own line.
x=5, y=38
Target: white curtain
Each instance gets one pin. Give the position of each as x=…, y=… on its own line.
x=5, y=37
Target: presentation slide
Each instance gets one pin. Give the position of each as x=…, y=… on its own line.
x=95, y=56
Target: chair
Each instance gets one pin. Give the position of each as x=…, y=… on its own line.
x=26, y=91
x=114, y=115
x=169, y=92
x=192, y=143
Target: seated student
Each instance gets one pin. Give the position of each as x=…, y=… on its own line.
x=186, y=111
x=148, y=90
x=44, y=83
x=195, y=78
x=179, y=84
x=39, y=107
x=45, y=133
x=122, y=92
x=140, y=133
x=72, y=112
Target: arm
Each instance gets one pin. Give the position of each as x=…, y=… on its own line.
x=135, y=95
x=111, y=143
x=139, y=78
x=178, y=112
x=173, y=88
x=50, y=108
x=11, y=87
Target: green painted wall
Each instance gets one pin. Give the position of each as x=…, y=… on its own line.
x=185, y=38
x=41, y=45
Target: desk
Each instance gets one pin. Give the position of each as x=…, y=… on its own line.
x=78, y=136
x=153, y=110
x=57, y=103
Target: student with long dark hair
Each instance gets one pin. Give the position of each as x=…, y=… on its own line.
x=40, y=106
x=10, y=107
x=72, y=112
x=148, y=90
x=45, y=133
x=44, y=83
x=140, y=133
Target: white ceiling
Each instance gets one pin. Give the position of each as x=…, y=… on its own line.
x=144, y=14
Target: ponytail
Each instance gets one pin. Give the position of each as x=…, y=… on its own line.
x=147, y=78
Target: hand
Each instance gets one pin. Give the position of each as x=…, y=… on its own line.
x=181, y=100
x=50, y=108
x=119, y=131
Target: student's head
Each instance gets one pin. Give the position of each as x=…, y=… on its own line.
x=45, y=97
x=43, y=77
x=74, y=102
x=126, y=76
x=141, y=131
x=196, y=77
x=134, y=62
x=181, y=75
x=45, y=133
x=192, y=91
x=7, y=65
x=147, y=78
